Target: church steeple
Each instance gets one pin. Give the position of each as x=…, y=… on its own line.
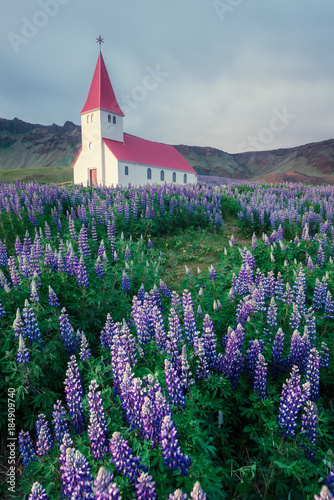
x=101, y=94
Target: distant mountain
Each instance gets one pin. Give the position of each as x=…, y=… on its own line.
x=26, y=145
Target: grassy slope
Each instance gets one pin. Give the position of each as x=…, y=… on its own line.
x=50, y=174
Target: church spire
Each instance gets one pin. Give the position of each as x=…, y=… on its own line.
x=101, y=94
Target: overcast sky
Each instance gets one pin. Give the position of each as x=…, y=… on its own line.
x=232, y=74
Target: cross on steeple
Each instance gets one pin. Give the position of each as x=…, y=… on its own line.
x=99, y=41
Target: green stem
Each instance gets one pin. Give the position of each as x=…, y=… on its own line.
x=271, y=470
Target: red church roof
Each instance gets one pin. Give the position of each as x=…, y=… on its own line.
x=137, y=150
x=101, y=93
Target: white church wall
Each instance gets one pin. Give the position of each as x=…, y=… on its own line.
x=111, y=167
x=137, y=175
x=111, y=130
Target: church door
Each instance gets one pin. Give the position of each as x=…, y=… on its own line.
x=93, y=177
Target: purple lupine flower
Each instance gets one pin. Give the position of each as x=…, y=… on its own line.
x=76, y=478
x=156, y=298
x=98, y=268
x=288, y=295
x=313, y=373
x=295, y=317
x=141, y=293
x=190, y=328
x=175, y=301
x=67, y=333
x=311, y=324
x=83, y=244
x=320, y=256
x=30, y=327
x=127, y=253
x=14, y=275
x=202, y=371
x=107, y=332
x=85, y=352
x=324, y=355
x=81, y=273
x=38, y=492
x=325, y=494
x=104, y=488
x=97, y=429
x=150, y=244
x=145, y=487
x=212, y=273
x=197, y=492
x=158, y=328
x=26, y=448
x=329, y=481
x=174, y=326
x=260, y=377
x=2, y=311
x=23, y=356
x=173, y=385
x=309, y=430
x=66, y=443
x=317, y=300
x=74, y=395
x=125, y=283
x=253, y=351
x=329, y=306
x=122, y=457
x=310, y=264
x=165, y=290
x=209, y=343
x=292, y=399
x=276, y=364
x=59, y=421
x=53, y=299
x=44, y=440
x=299, y=350
x=141, y=317
x=171, y=451
x=272, y=314
x=232, y=363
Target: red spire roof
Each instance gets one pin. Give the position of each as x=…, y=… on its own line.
x=101, y=94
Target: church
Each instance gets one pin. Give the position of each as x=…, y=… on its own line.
x=109, y=157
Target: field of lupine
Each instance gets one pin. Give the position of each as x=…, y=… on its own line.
x=123, y=386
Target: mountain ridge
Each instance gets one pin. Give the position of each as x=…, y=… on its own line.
x=27, y=145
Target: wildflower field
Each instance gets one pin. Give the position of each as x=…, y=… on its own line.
x=166, y=342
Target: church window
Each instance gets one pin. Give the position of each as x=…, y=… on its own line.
x=149, y=173
x=109, y=118
x=185, y=178
x=87, y=118
x=162, y=175
x=114, y=120
x=126, y=170
x=174, y=176
x=91, y=118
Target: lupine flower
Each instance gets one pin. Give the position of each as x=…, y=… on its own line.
x=59, y=421
x=212, y=273
x=178, y=495
x=2, y=311
x=317, y=300
x=76, y=477
x=104, y=488
x=74, y=395
x=26, y=448
x=44, y=441
x=81, y=273
x=165, y=290
x=186, y=375
x=98, y=268
x=53, y=299
x=30, y=328
x=23, y=356
x=188, y=317
x=67, y=333
x=232, y=363
x=309, y=430
x=202, y=371
x=260, y=377
x=324, y=355
x=295, y=317
x=197, y=492
x=66, y=443
x=329, y=481
x=38, y=492
x=329, y=306
x=209, y=343
x=292, y=398
x=97, y=429
x=252, y=354
x=122, y=457
x=150, y=244
x=277, y=353
x=311, y=324
x=85, y=352
x=313, y=373
x=127, y=253
x=125, y=283
x=145, y=487
x=325, y=494
x=173, y=385
x=34, y=297
x=174, y=458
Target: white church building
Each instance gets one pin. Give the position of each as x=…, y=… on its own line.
x=109, y=157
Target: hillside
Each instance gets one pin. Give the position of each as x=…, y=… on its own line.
x=25, y=146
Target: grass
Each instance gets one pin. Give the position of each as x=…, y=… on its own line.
x=41, y=175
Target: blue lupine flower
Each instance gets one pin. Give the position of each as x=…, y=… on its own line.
x=53, y=299
x=145, y=487
x=74, y=395
x=59, y=421
x=309, y=430
x=22, y=356
x=38, y=492
x=313, y=373
x=174, y=458
x=26, y=448
x=76, y=478
x=174, y=386
x=122, y=457
x=104, y=488
x=125, y=283
x=44, y=440
x=97, y=429
x=260, y=377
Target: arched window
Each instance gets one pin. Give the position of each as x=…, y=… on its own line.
x=91, y=118
x=149, y=173
x=114, y=120
x=87, y=118
x=126, y=170
x=109, y=118
x=174, y=176
x=185, y=178
x=162, y=175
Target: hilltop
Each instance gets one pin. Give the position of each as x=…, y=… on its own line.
x=25, y=145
